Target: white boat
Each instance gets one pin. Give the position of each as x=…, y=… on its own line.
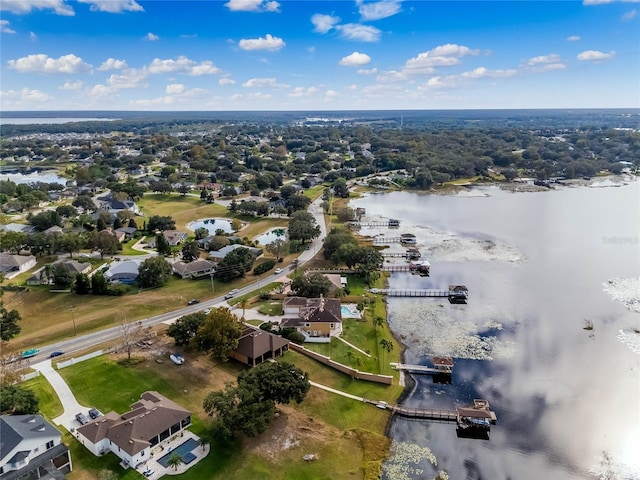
x=177, y=358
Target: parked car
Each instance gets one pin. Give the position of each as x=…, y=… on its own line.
x=207, y=311
x=95, y=413
x=148, y=472
x=57, y=353
x=177, y=358
x=193, y=301
x=30, y=353
x=277, y=270
x=82, y=418
x=231, y=294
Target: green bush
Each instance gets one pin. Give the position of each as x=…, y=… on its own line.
x=117, y=290
x=264, y=267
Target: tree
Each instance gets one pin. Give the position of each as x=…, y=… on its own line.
x=201, y=233
x=280, y=382
x=162, y=245
x=83, y=284
x=378, y=321
x=298, y=202
x=345, y=214
x=131, y=333
x=219, y=334
x=186, y=327
x=9, y=319
x=13, y=242
x=311, y=286
x=45, y=220
x=67, y=211
x=62, y=276
x=104, y=242
x=175, y=460
x=153, y=272
x=277, y=247
x=236, y=225
x=235, y=264
x=16, y=400
x=302, y=226
x=70, y=242
x=386, y=345
x=85, y=202
x=340, y=188
x=99, y=284
x=190, y=251
x=157, y=222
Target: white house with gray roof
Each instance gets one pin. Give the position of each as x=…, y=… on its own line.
x=30, y=447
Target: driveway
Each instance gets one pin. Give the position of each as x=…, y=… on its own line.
x=69, y=402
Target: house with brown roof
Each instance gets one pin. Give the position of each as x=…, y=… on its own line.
x=318, y=319
x=196, y=269
x=256, y=346
x=151, y=420
x=174, y=237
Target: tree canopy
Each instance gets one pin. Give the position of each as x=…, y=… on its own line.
x=186, y=327
x=16, y=400
x=219, y=334
x=153, y=272
x=9, y=319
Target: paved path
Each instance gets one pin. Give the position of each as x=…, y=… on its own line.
x=353, y=346
x=333, y=390
x=69, y=402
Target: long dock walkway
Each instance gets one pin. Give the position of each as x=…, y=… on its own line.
x=419, y=292
x=422, y=369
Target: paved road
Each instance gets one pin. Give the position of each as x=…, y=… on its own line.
x=90, y=340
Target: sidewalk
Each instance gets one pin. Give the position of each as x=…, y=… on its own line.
x=68, y=400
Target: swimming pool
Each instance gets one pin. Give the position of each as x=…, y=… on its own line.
x=348, y=311
x=184, y=450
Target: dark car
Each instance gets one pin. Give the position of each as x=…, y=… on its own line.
x=95, y=413
x=193, y=301
x=82, y=418
x=57, y=353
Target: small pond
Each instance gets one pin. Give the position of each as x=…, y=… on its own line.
x=272, y=235
x=211, y=224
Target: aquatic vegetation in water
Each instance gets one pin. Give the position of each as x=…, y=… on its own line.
x=404, y=461
x=427, y=329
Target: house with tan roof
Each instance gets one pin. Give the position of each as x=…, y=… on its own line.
x=12, y=265
x=196, y=269
x=151, y=420
x=318, y=319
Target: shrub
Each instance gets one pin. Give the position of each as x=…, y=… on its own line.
x=117, y=290
x=264, y=267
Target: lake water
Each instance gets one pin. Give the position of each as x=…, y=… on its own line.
x=48, y=120
x=555, y=355
x=45, y=176
x=211, y=224
x=272, y=235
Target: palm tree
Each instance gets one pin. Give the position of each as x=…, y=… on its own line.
x=378, y=322
x=204, y=440
x=175, y=460
x=243, y=303
x=386, y=345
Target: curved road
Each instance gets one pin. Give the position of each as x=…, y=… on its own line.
x=89, y=340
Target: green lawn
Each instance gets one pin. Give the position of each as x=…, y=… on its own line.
x=127, y=248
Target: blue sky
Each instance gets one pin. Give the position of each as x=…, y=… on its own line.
x=322, y=55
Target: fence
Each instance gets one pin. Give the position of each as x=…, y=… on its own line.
x=73, y=361
x=352, y=372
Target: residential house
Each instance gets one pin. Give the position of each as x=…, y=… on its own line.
x=17, y=227
x=128, y=232
x=122, y=272
x=218, y=255
x=30, y=447
x=115, y=206
x=256, y=346
x=174, y=237
x=76, y=267
x=12, y=265
x=54, y=230
x=318, y=319
x=196, y=269
x=336, y=281
x=151, y=420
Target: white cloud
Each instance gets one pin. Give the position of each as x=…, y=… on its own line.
x=152, y=37
x=378, y=10
x=630, y=15
x=71, y=85
x=390, y=76
x=602, y=2
x=263, y=83
x=361, y=33
x=370, y=71
x=42, y=63
x=300, y=92
x=226, y=81
x=175, y=89
x=546, y=63
x=102, y=91
x=574, y=38
x=252, y=6
x=25, y=6
x=267, y=42
x=26, y=95
x=113, y=6
x=4, y=27
x=324, y=23
x=183, y=65
x=356, y=59
x=330, y=95
x=482, y=72
x=113, y=64
x=131, y=78
x=449, y=81
x=441, y=56
x=33, y=36
x=595, y=56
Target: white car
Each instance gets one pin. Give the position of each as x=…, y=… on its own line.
x=207, y=311
x=177, y=358
x=277, y=271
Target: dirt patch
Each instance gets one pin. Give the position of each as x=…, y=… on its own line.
x=290, y=430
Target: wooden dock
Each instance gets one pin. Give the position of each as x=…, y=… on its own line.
x=409, y=254
x=385, y=240
x=391, y=223
x=418, y=292
x=423, y=369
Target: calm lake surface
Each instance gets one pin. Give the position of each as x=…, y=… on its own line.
x=44, y=176
x=567, y=397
